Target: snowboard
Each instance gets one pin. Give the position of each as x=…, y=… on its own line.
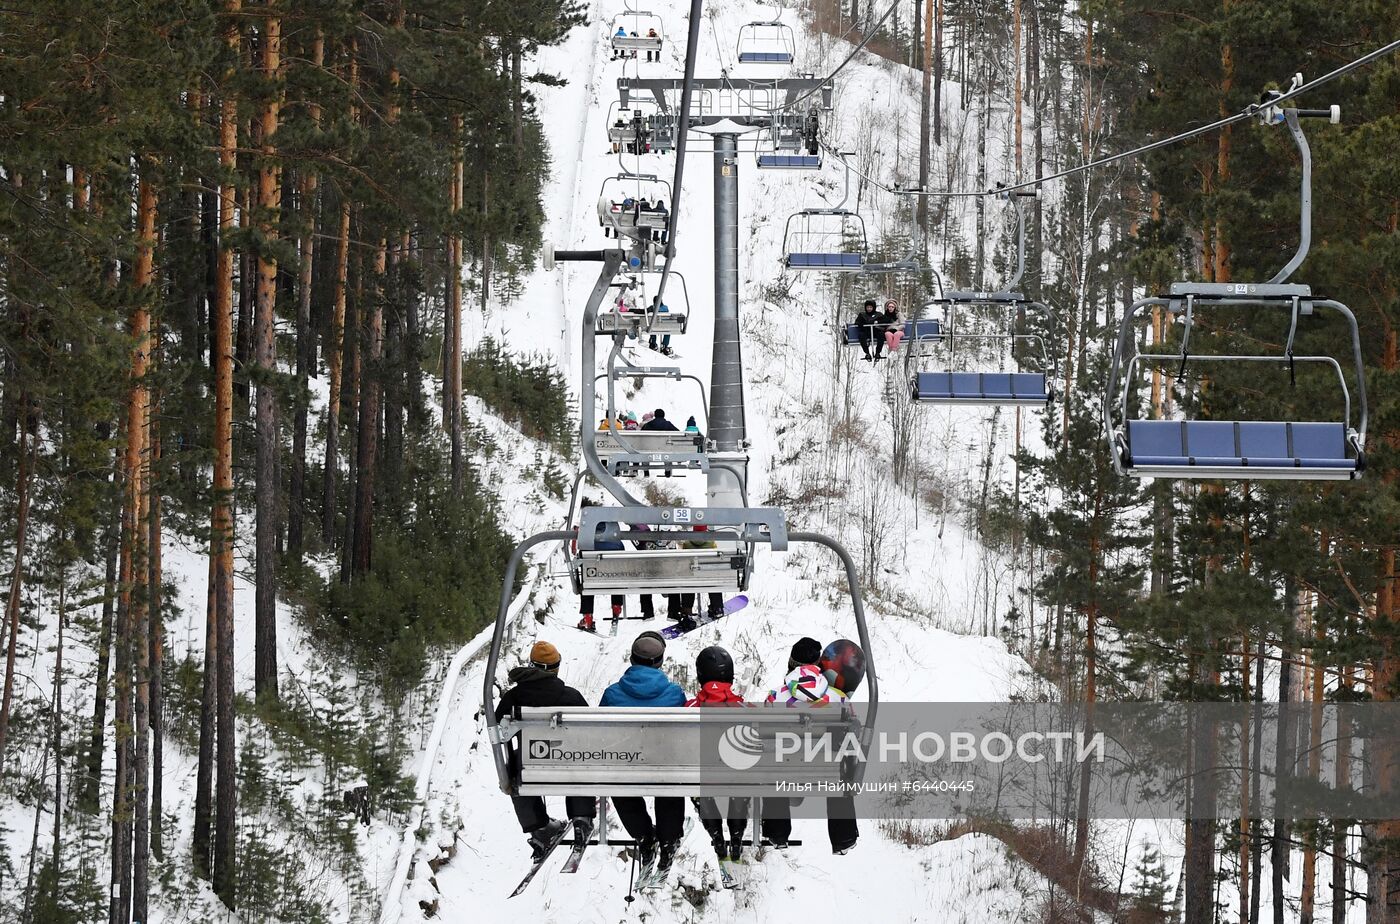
x=535, y=865
x=733, y=605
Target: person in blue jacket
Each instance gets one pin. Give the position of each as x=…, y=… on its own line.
x=644, y=684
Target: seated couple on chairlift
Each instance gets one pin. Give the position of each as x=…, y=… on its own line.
x=885, y=328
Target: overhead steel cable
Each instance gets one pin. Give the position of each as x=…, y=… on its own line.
x=1249, y=112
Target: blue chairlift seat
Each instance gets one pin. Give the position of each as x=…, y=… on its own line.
x=922, y=329
x=841, y=262
x=1005, y=388
x=789, y=161
x=765, y=57
x=1240, y=449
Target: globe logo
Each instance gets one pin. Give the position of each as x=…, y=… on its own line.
x=740, y=747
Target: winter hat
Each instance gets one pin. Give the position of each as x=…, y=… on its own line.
x=714, y=663
x=891, y=304
x=631, y=415
x=804, y=686
x=869, y=303
x=647, y=417
x=690, y=423
x=806, y=651
x=544, y=655
x=649, y=649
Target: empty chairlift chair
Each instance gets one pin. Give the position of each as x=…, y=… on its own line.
x=1325, y=450
x=961, y=310
x=831, y=240
x=1233, y=449
x=766, y=43
x=985, y=386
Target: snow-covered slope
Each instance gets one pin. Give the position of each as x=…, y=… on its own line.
x=934, y=585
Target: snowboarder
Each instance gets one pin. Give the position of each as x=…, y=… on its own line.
x=537, y=684
x=867, y=319
x=585, y=601
x=843, y=666
x=891, y=329
x=643, y=684
x=714, y=671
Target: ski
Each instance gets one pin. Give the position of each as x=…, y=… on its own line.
x=726, y=875
x=576, y=853
x=535, y=868
x=734, y=605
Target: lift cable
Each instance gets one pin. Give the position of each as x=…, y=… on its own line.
x=1249, y=112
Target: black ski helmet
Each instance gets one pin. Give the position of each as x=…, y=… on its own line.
x=714, y=663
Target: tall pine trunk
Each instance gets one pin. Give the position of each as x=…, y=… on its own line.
x=28, y=454
x=296, y=512
x=265, y=357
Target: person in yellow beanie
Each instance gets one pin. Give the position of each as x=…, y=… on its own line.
x=537, y=684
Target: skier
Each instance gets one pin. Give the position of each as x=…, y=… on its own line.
x=866, y=322
x=643, y=684
x=659, y=308
x=714, y=671
x=618, y=52
x=891, y=328
x=629, y=421
x=690, y=428
x=537, y=684
x=585, y=601
x=653, y=54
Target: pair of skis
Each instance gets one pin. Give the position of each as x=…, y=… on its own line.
x=581, y=840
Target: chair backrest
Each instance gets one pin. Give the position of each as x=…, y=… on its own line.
x=615, y=751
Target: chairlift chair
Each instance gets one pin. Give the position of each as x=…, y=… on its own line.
x=832, y=240
x=629, y=31
x=1226, y=448
x=622, y=211
x=766, y=43
x=664, y=750
x=950, y=386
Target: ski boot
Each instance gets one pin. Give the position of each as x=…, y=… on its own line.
x=583, y=830
x=717, y=842
x=665, y=857
x=736, y=848
x=542, y=837
x=617, y=612
x=586, y=623
x=686, y=622
x=646, y=851
x=841, y=850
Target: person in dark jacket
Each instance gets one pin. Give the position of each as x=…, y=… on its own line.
x=866, y=322
x=538, y=684
x=643, y=684
x=890, y=323
x=659, y=422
